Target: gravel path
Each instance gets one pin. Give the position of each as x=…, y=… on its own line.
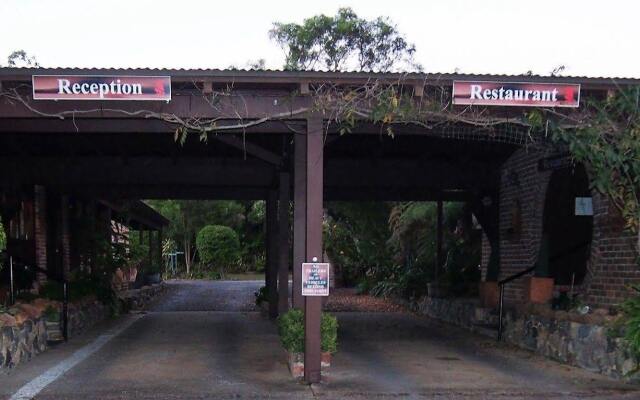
x=187, y=295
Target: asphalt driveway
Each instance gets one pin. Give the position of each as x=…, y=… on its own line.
x=204, y=339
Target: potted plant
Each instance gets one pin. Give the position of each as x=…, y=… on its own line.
x=53, y=325
x=262, y=300
x=291, y=330
x=152, y=274
x=489, y=294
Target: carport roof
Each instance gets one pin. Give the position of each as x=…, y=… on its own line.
x=294, y=77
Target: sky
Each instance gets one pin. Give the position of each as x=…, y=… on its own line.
x=588, y=37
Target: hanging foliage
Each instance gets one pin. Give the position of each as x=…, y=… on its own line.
x=605, y=137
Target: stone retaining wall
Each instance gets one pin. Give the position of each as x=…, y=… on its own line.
x=580, y=340
x=23, y=332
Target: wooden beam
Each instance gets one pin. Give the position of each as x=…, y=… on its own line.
x=272, y=252
x=439, y=237
x=299, y=217
x=283, y=243
x=249, y=148
x=304, y=88
x=418, y=90
x=313, y=305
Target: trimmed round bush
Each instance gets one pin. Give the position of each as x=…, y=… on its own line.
x=218, y=245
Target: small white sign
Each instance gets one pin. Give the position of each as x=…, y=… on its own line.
x=315, y=279
x=584, y=206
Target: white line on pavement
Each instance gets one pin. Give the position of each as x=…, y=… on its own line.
x=35, y=386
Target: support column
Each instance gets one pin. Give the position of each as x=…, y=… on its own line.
x=272, y=252
x=40, y=234
x=150, y=237
x=66, y=236
x=160, y=249
x=313, y=305
x=439, y=238
x=299, y=217
x=283, y=244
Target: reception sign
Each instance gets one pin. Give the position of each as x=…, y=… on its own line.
x=521, y=94
x=74, y=87
x=315, y=279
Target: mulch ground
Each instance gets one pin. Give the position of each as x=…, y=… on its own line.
x=343, y=299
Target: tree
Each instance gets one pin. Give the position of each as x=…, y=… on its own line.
x=20, y=58
x=188, y=217
x=344, y=41
x=218, y=245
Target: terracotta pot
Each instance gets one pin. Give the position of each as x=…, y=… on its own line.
x=538, y=290
x=489, y=294
x=326, y=360
x=296, y=363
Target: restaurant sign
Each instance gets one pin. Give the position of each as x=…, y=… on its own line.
x=83, y=87
x=521, y=94
x=315, y=279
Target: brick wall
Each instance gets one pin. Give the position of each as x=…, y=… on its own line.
x=612, y=265
x=522, y=191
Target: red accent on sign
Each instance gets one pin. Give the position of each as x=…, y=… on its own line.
x=66, y=87
x=516, y=94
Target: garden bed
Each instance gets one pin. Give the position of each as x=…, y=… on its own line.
x=25, y=328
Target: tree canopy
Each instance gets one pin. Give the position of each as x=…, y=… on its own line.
x=20, y=58
x=342, y=42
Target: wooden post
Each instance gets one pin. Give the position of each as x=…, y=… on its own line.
x=66, y=235
x=272, y=259
x=313, y=305
x=439, y=238
x=40, y=234
x=150, y=247
x=160, y=248
x=283, y=244
x=299, y=217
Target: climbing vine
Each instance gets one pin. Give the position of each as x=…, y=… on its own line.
x=604, y=136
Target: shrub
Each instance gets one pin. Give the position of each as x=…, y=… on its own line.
x=631, y=311
x=218, y=245
x=291, y=330
x=78, y=289
x=261, y=295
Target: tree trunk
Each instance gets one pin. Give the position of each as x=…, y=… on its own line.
x=187, y=254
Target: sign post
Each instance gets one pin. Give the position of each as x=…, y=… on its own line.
x=315, y=279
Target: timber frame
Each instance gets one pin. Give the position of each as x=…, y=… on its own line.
x=270, y=143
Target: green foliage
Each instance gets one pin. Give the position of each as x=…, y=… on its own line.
x=606, y=140
x=20, y=58
x=390, y=249
x=355, y=236
x=80, y=287
x=344, y=41
x=631, y=312
x=291, y=330
x=3, y=238
x=329, y=333
x=218, y=245
x=200, y=271
x=188, y=217
x=51, y=314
